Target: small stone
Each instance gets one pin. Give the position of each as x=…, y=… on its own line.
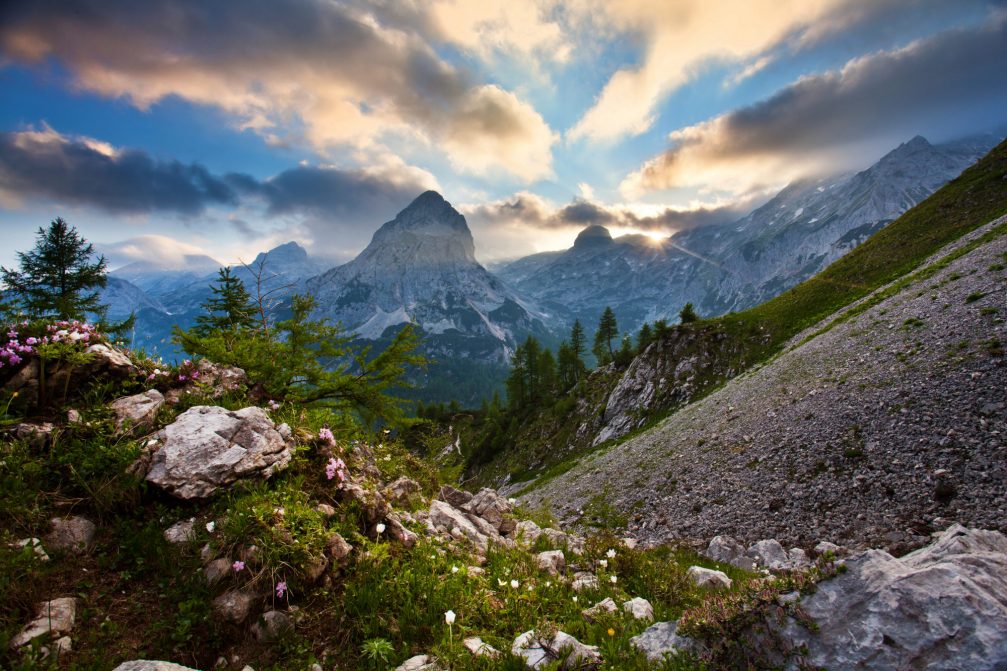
x=137, y=412
x=54, y=617
x=708, y=579
x=477, y=647
x=217, y=570
x=339, y=549
x=552, y=561
x=538, y=653
x=181, y=532
x=151, y=665
x=527, y=532
x=798, y=558
x=73, y=416
x=315, y=568
x=454, y=497
x=72, y=534
x=325, y=509
x=826, y=546
x=418, y=663
x=400, y=490
x=639, y=608
x=584, y=580
x=603, y=607
x=234, y=606
x=271, y=625
x=770, y=554
x=36, y=546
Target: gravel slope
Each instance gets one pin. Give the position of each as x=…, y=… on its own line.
x=876, y=432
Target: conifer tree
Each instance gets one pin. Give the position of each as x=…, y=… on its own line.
x=624, y=356
x=644, y=338
x=608, y=329
x=228, y=310
x=568, y=366
x=688, y=314
x=58, y=279
x=577, y=348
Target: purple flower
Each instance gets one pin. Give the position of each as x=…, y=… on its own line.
x=182, y=378
x=32, y=340
x=281, y=589
x=238, y=566
x=335, y=467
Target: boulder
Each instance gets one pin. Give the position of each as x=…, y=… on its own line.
x=454, y=497
x=235, y=606
x=493, y=508
x=639, y=608
x=271, y=625
x=539, y=651
x=798, y=558
x=400, y=489
x=339, y=549
x=604, y=607
x=72, y=534
x=108, y=361
x=826, y=546
x=769, y=554
x=661, y=640
x=709, y=579
x=181, y=532
x=54, y=617
x=727, y=550
x=36, y=435
x=209, y=447
x=552, y=561
x=138, y=411
x=151, y=665
x=217, y=570
x=527, y=532
x=448, y=520
x=941, y=607
x=220, y=379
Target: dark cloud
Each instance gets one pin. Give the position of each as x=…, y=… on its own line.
x=81, y=171
x=339, y=194
x=951, y=84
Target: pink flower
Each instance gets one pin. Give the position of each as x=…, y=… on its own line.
x=325, y=434
x=335, y=467
x=182, y=378
x=281, y=589
x=238, y=566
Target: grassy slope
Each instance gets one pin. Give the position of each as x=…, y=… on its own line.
x=976, y=197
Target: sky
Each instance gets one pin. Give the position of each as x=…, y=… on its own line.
x=165, y=128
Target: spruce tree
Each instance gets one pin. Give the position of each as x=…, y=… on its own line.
x=228, y=310
x=688, y=314
x=568, y=366
x=57, y=279
x=577, y=348
x=624, y=356
x=644, y=338
x=608, y=329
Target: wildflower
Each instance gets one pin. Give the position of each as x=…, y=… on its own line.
x=515, y=584
x=182, y=378
x=325, y=434
x=210, y=526
x=335, y=467
x=454, y=569
x=380, y=528
x=548, y=583
x=610, y=554
x=238, y=566
x=575, y=599
x=614, y=579
x=512, y=500
x=273, y=405
x=603, y=563
x=611, y=631
x=500, y=582
x=281, y=589
x=449, y=617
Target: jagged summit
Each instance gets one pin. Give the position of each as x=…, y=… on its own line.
x=592, y=236
x=429, y=230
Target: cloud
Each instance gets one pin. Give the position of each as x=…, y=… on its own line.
x=950, y=84
x=679, y=38
x=166, y=252
x=80, y=170
x=332, y=72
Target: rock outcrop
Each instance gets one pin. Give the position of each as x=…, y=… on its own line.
x=941, y=607
x=539, y=650
x=54, y=617
x=209, y=447
x=137, y=411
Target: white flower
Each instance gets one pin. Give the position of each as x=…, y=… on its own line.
x=512, y=500
x=449, y=617
x=210, y=526
x=454, y=569
x=380, y=528
x=500, y=582
x=530, y=588
x=515, y=584
x=548, y=583
x=575, y=599
x=610, y=554
x=603, y=563
x=614, y=579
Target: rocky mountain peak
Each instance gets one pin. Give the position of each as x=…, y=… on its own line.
x=592, y=236
x=428, y=230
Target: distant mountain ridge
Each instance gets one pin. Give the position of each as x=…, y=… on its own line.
x=730, y=267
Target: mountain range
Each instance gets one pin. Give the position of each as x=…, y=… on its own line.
x=421, y=268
